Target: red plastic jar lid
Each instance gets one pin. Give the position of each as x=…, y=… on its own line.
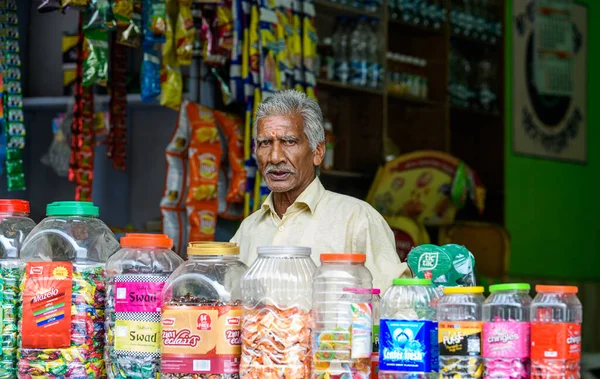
x=556, y=289
x=14, y=206
x=344, y=257
x=146, y=240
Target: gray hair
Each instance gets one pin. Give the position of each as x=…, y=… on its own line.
x=292, y=102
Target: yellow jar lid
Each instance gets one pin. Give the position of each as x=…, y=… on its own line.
x=213, y=248
x=452, y=290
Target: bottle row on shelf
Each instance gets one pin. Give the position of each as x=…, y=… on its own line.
x=366, y=5
x=477, y=19
x=404, y=84
x=473, y=81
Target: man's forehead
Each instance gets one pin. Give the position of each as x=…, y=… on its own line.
x=280, y=126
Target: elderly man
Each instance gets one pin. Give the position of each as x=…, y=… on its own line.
x=290, y=144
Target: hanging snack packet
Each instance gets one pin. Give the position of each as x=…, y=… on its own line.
x=185, y=33
x=232, y=127
x=171, y=82
x=99, y=15
x=131, y=34
x=95, y=64
x=155, y=20
x=150, y=73
x=48, y=6
x=122, y=10
x=78, y=4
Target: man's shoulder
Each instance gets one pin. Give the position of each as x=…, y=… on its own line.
x=345, y=203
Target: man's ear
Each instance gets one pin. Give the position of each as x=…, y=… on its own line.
x=318, y=154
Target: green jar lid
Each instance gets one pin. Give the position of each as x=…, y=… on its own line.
x=510, y=287
x=72, y=208
x=411, y=282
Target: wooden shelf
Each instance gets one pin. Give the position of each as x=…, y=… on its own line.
x=475, y=41
x=348, y=87
x=474, y=112
x=346, y=174
x=414, y=100
x=344, y=9
x=419, y=27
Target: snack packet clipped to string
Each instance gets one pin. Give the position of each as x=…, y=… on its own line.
x=185, y=33
x=99, y=15
x=232, y=127
x=95, y=64
x=150, y=81
x=171, y=81
x=122, y=11
x=131, y=33
x=154, y=20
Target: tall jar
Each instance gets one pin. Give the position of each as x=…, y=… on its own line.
x=201, y=314
x=136, y=275
x=15, y=225
x=376, y=316
x=63, y=294
x=556, y=316
x=277, y=300
x=342, y=316
x=460, y=327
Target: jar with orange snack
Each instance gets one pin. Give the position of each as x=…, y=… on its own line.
x=277, y=301
x=201, y=314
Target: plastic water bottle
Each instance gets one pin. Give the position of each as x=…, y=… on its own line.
x=460, y=328
x=376, y=301
x=408, y=334
x=374, y=54
x=506, y=331
x=358, y=52
x=340, y=45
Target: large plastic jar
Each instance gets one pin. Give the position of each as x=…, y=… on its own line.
x=556, y=316
x=277, y=301
x=15, y=225
x=343, y=317
x=460, y=327
x=376, y=316
x=63, y=293
x=201, y=314
x=408, y=335
x=136, y=275
x=506, y=332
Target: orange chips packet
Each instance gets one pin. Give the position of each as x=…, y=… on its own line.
x=232, y=127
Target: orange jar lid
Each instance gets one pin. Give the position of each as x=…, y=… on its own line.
x=343, y=257
x=556, y=289
x=161, y=241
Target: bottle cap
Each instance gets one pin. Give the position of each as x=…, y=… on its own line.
x=510, y=287
x=72, y=208
x=376, y=291
x=14, y=206
x=213, y=248
x=161, y=241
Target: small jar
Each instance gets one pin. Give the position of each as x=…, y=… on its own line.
x=136, y=275
x=277, y=300
x=201, y=314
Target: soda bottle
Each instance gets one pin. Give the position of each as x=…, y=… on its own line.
x=376, y=302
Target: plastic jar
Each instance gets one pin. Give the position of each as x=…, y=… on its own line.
x=556, y=316
x=64, y=293
x=201, y=314
x=15, y=225
x=136, y=275
x=277, y=300
x=460, y=328
x=376, y=316
x=506, y=334
x=342, y=315
x=408, y=339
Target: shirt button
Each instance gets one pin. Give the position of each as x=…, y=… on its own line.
x=281, y=228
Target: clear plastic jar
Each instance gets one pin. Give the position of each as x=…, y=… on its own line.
x=63, y=293
x=136, y=275
x=15, y=225
x=408, y=339
x=277, y=300
x=556, y=316
x=201, y=314
x=342, y=316
x=460, y=328
x=506, y=332
x=376, y=316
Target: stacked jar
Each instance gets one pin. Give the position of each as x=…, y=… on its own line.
x=460, y=328
x=343, y=317
x=63, y=294
x=556, y=316
x=408, y=339
x=506, y=339
x=15, y=225
x=136, y=275
x=201, y=314
x=277, y=301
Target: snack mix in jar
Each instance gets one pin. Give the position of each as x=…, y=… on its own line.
x=201, y=314
x=63, y=294
x=136, y=275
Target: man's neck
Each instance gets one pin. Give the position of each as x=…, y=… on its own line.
x=283, y=200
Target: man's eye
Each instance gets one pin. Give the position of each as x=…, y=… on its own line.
x=289, y=142
x=263, y=143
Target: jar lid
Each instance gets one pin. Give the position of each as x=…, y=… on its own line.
x=213, y=248
x=376, y=291
x=146, y=240
x=72, y=208
x=465, y=290
x=283, y=251
x=14, y=206
x=358, y=291
x=343, y=257
x=411, y=282
x=510, y=287
x=556, y=289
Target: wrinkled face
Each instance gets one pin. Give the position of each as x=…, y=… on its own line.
x=285, y=158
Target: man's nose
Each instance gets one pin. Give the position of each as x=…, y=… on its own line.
x=277, y=156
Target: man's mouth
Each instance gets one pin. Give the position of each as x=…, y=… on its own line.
x=278, y=174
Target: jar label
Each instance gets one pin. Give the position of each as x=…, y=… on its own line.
x=199, y=339
x=460, y=338
x=506, y=339
x=362, y=329
x=410, y=346
x=138, y=337
x=47, y=305
x=555, y=341
x=138, y=293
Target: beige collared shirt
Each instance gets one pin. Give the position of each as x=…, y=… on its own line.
x=327, y=222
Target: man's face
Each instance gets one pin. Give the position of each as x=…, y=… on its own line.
x=285, y=158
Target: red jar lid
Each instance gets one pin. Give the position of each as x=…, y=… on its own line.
x=146, y=240
x=14, y=206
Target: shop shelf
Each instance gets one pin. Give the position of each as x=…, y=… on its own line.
x=339, y=9
x=417, y=27
x=414, y=100
x=348, y=87
x=474, y=112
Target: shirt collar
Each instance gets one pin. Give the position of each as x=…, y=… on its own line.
x=309, y=197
